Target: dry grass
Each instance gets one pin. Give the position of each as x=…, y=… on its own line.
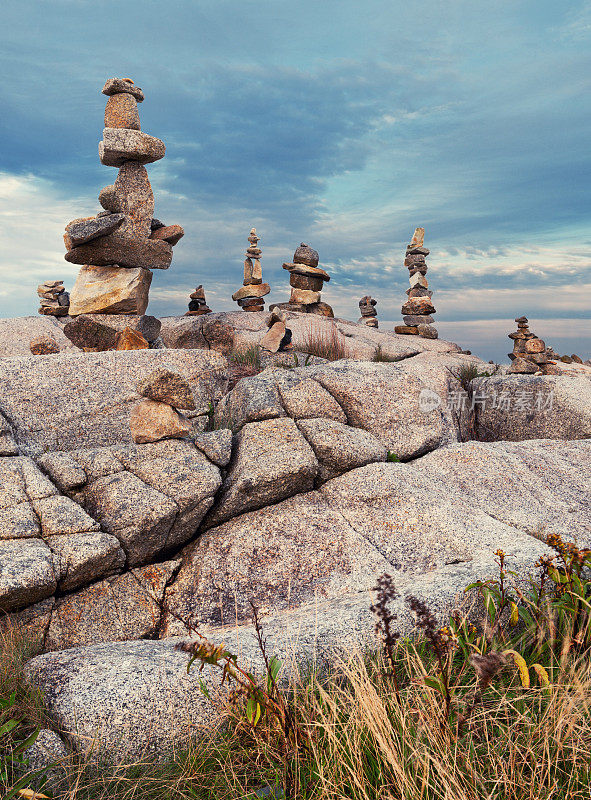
x=325, y=341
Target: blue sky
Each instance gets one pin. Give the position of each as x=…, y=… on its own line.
x=342, y=124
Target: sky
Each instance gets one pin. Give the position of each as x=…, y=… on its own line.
x=336, y=123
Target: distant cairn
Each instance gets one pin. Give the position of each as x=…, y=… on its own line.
x=418, y=308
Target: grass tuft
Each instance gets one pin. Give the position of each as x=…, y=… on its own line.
x=325, y=341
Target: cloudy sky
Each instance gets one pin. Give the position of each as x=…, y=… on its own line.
x=339, y=123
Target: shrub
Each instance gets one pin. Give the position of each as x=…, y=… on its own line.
x=325, y=341
x=379, y=355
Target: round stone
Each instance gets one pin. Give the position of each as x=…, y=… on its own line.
x=305, y=255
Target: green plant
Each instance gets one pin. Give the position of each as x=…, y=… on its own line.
x=247, y=356
x=392, y=457
x=466, y=373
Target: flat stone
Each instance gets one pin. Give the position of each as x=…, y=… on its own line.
x=252, y=290
x=321, y=309
x=305, y=254
x=121, y=112
x=84, y=557
x=128, y=339
x=116, y=609
x=406, y=330
x=304, y=297
x=523, y=366
x=339, y=447
x=420, y=306
x=304, y=269
x=81, y=232
x=416, y=319
x=19, y=522
x=119, y=145
x=252, y=399
x=151, y=421
x=305, y=282
x=272, y=461
x=63, y=470
x=410, y=260
x=123, y=86
x=133, y=196
x=110, y=290
x=417, y=250
x=62, y=516
x=169, y=233
x=43, y=346
x=419, y=291
x=27, y=573
x=535, y=346
x=169, y=387
x=215, y=445
x=123, y=251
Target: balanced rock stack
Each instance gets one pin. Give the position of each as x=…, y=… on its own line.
x=53, y=298
x=121, y=245
x=250, y=296
x=278, y=337
x=156, y=416
x=306, y=280
x=197, y=303
x=530, y=354
x=369, y=315
x=418, y=308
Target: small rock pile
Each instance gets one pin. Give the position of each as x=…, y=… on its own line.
x=53, y=298
x=530, y=355
x=418, y=308
x=306, y=280
x=197, y=303
x=250, y=296
x=278, y=337
x=156, y=416
x=369, y=315
x=120, y=246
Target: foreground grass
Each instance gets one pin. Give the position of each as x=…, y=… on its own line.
x=500, y=709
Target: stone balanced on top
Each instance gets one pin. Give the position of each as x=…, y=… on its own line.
x=369, y=315
x=197, y=304
x=250, y=296
x=53, y=298
x=530, y=354
x=418, y=308
x=121, y=245
x=306, y=280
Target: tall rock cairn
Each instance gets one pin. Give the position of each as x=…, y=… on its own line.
x=530, y=354
x=306, y=280
x=367, y=309
x=53, y=299
x=418, y=308
x=120, y=246
x=250, y=296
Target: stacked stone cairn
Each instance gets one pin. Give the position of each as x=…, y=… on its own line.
x=197, y=303
x=369, y=315
x=278, y=337
x=156, y=417
x=530, y=354
x=306, y=280
x=53, y=298
x=250, y=296
x=418, y=308
x=120, y=246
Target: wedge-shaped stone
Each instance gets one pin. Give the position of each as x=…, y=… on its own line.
x=59, y=516
x=19, y=522
x=252, y=399
x=116, y=249
x=27, y=573
x=169, y=233
x=304, y=297
x=129, y=339
x=81, y=232
x=116, y=609
x=167, y=387
x=258, y=290
x=120, y=145
x=272, y=461
x=304, y=269
x=151, y=421
x=86, y=332
x=305, y=398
